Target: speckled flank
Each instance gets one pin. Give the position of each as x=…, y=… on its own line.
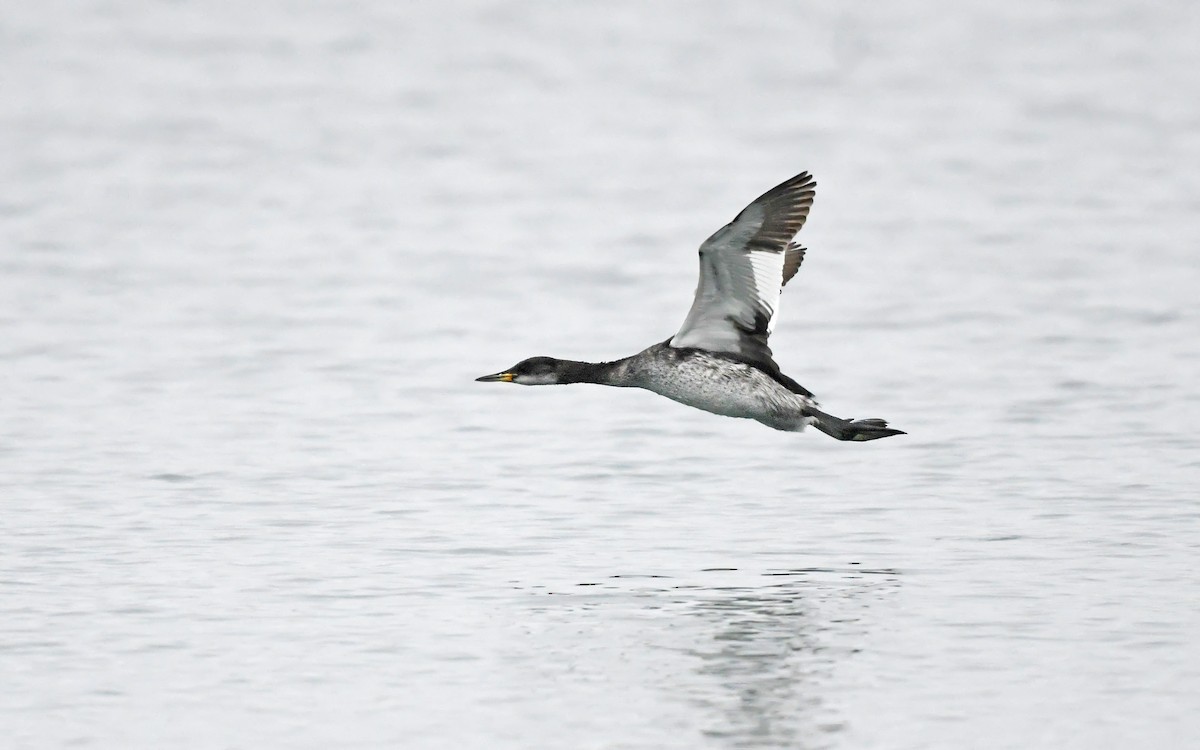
x=715, y=384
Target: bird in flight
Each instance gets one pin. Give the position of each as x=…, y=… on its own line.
x=719, y=360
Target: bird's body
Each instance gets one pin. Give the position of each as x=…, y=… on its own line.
x=719, y=360
x=712, y=382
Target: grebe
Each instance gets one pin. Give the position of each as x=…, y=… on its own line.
x=719, y=360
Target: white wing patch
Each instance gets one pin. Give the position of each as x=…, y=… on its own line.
x=768, y=281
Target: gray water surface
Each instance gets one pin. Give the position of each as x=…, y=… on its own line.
x=252, y=256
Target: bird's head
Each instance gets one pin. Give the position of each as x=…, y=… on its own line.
x=532, y=371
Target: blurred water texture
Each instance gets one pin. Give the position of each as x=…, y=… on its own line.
x=253, y=254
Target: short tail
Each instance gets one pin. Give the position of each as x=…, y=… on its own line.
x=852, y=429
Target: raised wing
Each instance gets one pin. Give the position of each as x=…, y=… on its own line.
x=742, y=269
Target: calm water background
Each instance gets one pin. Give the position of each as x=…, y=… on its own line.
x=253, y=254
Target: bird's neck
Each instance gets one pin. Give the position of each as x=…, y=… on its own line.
x=603, y=373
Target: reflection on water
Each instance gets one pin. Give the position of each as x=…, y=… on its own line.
x=776, y=648
x=757, y=654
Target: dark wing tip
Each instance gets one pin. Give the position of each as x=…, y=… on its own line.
x=786, y=208
x=801, y=183
x=793, y=256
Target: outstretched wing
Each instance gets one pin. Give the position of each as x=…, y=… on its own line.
x=742, y=269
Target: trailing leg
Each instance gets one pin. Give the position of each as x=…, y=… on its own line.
x=858, y=430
